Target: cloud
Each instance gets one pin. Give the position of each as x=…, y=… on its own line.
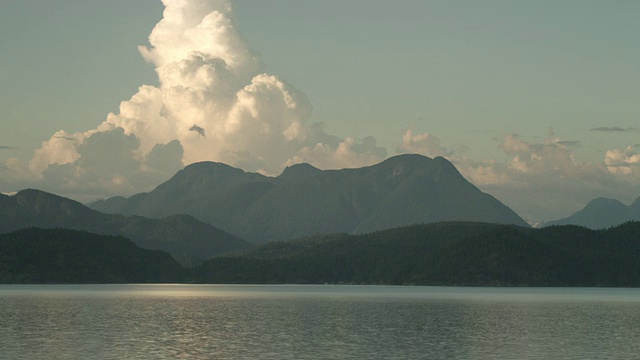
x=164, y=159
x=3, y=147
x=540, y=180
x=70, y=138
x=623, y=161
x=568, y=142
x=615, y=129
x=544, y=180
x=349, y=153
x=425, y=144
x=213, y=102
x=105, y=163
x=198, y=130
x=212, y=83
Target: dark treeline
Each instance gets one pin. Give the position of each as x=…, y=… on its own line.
x=58, y=256
x=453, y=253
x=443, y=254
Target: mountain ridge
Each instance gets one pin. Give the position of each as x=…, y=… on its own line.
x=602, y=213
x=177, y=234
x=401, y=190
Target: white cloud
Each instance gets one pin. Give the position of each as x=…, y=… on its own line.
x=543, y=180
x=60, y=149
x=623, y=161
x=539, y=180
x=349, y=153
x=213, y=102
x=425, y=144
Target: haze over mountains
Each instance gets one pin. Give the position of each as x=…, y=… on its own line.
x=179, y=234
x=602, y=213
x=303, y=200
x=333, y=216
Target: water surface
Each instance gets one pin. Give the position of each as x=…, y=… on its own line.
x=316, y=322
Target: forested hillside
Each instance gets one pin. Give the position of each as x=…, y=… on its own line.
x=444, y=254
x=452, y=253
x=57, y=256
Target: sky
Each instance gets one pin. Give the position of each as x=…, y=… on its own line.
x=536, y=103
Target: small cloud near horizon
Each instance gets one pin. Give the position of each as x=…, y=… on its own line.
x=567, y=143
x=4, y=147
x=64, y=137
x=615, y=129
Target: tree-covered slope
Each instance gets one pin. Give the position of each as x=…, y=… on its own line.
x=43, y=256
x=451, y=253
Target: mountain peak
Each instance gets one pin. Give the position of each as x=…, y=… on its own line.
x=414, y=159
x=41, y=202
x=39, y=195
x=419, y=160
x=599, y=213
x=298, y=171
x=602, y=203
x=413, y=164
x=210, y=168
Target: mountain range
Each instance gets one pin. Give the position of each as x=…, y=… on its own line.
x=602, y=213
x=303, y=200
x=178, y=234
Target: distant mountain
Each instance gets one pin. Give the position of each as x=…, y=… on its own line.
x=303, y=200
x=178, y=234
x=472, y=254
x=602, y=213
x=43, y=256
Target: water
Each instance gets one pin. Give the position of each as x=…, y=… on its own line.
x=316, y=322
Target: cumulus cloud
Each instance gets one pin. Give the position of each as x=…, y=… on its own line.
x=425, y=144
x=540, y=180
x=551, y=155
x=623, y=161
x=545, y=181
x=107, y=163
x=14, y=172
x=213, y=102
x=349, y=153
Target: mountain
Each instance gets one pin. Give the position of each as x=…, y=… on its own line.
x=602, y=213
x=178, y=234
x=450, y=253
x=303, y=200
x=42, y=256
